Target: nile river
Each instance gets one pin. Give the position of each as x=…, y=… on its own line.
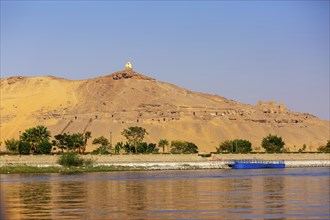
x=296, y=193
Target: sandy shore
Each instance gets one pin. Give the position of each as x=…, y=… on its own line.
x=168, y=161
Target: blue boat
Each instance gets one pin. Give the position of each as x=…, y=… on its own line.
x=256, y=164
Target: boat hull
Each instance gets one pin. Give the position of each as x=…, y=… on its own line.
x=256, y=165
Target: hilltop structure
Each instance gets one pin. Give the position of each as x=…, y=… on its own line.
x=128, y=66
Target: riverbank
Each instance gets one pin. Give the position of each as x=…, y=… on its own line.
x=48, y=163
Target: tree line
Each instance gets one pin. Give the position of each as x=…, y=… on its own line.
x=37, y=140
x=270, y=143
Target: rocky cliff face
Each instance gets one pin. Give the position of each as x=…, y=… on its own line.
x=127, y=98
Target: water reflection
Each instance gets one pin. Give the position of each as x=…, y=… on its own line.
x=240, y=194
x=31, y=199
x=70, y=199
x=35, y=199
x=274, y=195
x=214, y=194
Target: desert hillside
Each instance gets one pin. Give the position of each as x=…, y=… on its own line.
x=110, y=103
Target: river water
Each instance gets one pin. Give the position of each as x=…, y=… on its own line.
x=296, y=193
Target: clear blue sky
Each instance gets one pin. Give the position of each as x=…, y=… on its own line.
x=242, y=50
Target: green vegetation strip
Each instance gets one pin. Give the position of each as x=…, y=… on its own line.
x=58, y=169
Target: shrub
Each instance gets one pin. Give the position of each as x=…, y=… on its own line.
x=183, y=147
x=101, y=150
x=70, y=159
x=24, y=147
x=225, y=147
x=102, y=141
x=272, y=144
x=12, y=145
x=44, y=147
x=177, y=146
x=104, y=146
x=325, y=149
x=147, y=148
x=88, y=162
x=191, y=148
x=142, y=147
x=303, y=148
x=152, y=148
x=235, y=146
x=128, y=148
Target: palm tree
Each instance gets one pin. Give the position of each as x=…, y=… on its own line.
x=162, y=143
x=35, y=136
x=75, y=142
x=60, y=141
x=87, y=135
x=118, y=147
x=42, y=133
x=28, y=136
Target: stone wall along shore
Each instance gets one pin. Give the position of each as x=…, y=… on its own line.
x=172, y=161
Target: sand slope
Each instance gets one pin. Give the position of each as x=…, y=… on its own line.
x=126, y=98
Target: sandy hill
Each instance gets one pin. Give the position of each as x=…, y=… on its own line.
x=110, y=103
